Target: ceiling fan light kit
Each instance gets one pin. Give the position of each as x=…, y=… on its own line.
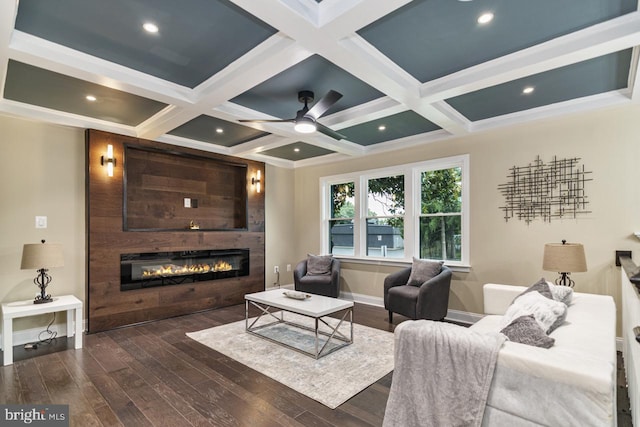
x=306, y=118
x=305, y=125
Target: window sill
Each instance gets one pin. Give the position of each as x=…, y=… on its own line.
x=396, y=263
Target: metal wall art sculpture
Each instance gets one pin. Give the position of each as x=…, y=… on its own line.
x=552, y=190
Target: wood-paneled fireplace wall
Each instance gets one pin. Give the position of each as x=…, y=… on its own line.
x=108, y=236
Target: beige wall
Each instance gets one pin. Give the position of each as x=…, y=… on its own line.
x=42, y=174
x=279, y=234
x=511, y=252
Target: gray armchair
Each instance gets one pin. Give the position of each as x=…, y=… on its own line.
x=327, y=284
x=429, y=301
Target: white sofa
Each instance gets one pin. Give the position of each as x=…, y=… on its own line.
x=571, y=384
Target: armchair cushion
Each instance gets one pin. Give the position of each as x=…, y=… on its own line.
x=319, y=265
x=422, y=270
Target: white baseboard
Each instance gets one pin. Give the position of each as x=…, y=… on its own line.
x=25, y=336
x=453, y=315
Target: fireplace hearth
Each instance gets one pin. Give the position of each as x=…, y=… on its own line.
x=149, y=269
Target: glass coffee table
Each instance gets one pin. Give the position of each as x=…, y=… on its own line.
x=325, y=337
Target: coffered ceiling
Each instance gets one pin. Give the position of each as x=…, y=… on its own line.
x=410, y=72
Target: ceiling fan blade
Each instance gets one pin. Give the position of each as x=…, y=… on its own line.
x=268, y=121
x=329, y=132
x=323, y=104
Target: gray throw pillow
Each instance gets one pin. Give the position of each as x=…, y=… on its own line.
x=525, y=330
x=319, y=265
x=541, y=286
x=423, y=270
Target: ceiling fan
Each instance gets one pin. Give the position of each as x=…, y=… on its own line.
x=306, y=120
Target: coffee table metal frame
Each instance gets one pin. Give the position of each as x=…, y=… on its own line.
x=298, y=307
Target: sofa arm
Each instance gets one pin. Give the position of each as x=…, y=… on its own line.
x=498, y=298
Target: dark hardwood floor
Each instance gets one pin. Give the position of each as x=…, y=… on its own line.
x=153, y=375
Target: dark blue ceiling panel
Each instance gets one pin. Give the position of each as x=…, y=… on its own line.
x=433, y=38
x=297, y=151
x=598, y=75
x=216, y=131
x=278, y=96
x=36, y=86
x=396, y=126
x=196, y=38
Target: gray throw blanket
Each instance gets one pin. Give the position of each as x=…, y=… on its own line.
x=442, y=375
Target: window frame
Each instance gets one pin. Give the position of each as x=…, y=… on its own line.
x=412, y=175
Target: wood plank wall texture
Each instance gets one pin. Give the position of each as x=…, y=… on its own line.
x=107, y=306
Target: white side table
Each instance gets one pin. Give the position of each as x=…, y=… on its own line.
x=13, y=310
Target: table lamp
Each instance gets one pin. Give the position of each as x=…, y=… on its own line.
x=41, y=256
x=564, y=258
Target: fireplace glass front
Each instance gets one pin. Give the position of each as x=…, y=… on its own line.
x=144, y=270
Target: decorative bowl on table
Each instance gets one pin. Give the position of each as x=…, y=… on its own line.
x=296, y=295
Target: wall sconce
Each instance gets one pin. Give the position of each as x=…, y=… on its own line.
x=256, y=181
x=109, y=160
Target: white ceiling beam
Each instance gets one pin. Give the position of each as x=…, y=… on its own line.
x=634, y=75
x=62, y=118
x=601, y=39
x=369, y=111
x=263, y=62
x=190, y=143
x=269, y=58
x=60, y=59
x=8, y=13
x=574, y=106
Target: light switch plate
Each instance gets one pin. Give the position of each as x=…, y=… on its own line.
x=41, y=222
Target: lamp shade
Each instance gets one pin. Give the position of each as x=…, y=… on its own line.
x=567, y=257
x=41, y=255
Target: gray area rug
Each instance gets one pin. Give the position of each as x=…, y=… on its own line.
x=331, y=380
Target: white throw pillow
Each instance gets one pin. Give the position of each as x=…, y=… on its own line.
x=561, y=293
x=548, y=313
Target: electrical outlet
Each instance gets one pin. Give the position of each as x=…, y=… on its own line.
x=288, y=267
x=276, y=269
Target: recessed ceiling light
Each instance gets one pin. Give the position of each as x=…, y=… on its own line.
x=90, y=98
x=297, y=150
x=219, y=130
x=381, y=128
x=150, y=27
x=485, y=18
x=527, y=90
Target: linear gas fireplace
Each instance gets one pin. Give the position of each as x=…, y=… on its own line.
x=144, y=270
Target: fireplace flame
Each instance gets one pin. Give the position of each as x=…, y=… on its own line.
x=179, y=270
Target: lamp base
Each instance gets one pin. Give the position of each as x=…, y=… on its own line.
x=40, y=300
x=565, y=280
x=42, y=280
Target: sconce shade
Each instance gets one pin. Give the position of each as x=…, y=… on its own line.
x=41, y=255
x=567, y=257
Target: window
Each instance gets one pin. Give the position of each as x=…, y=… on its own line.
x=417, y=210
x=341, y=218
x=440, y=219
x=385, y=217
